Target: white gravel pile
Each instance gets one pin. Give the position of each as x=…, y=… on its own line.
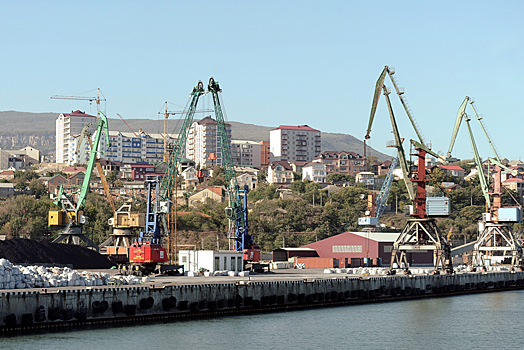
x=20, y=277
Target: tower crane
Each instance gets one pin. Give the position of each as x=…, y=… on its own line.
x=97, y=99
x=496, y=235
x=420, y=232
x=71, y=217
x=166, y=130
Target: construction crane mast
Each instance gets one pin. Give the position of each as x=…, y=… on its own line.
x=237, y=209
x=496, y=235
x=421, y=232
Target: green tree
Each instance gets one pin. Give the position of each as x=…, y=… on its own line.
x=112, y=177
x=24, y=215
x=38, y=188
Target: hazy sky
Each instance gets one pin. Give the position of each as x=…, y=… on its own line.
x=278, y=62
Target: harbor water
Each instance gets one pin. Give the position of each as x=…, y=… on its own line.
x=480, y=321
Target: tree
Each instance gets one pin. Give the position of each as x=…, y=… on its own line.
x=298, y=187
x=297, y=176
x=337, y=177
x=24, y=215
x=38, y=188
x=112, y=177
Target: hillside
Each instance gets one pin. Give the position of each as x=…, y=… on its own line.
x=20, y=129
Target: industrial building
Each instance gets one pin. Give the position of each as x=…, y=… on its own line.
x=366, y=245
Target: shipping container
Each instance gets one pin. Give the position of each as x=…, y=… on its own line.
x=318, y=263
x=367, y=221
x=509, y=215
x=438, y=206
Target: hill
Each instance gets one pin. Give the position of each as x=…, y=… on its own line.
x=20, y=129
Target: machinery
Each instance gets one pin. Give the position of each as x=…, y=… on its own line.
x=147, y=254
x=420, y=234
x=496, y=237
x=70, y=218
x=377, y=204
x=236, y=212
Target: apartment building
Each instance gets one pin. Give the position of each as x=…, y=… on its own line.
x=292, y=143
x=265, y=154
x=203, y=142
x=68, y=128
x=126, y=147
x=246, y=153
x=342, y=162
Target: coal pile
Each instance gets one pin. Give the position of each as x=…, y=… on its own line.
x=28, y=251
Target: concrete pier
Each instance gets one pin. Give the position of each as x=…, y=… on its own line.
x=26, y=311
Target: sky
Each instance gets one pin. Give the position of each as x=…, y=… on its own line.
x=278, y=62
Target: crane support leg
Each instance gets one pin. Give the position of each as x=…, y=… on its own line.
x=497, y=240
x=421, y=235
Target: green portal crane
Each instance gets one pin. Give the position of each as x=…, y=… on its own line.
x=71, y=216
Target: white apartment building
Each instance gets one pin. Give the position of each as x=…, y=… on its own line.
x=292, y=143
x=126, y=147
x=203, y=141
x=246, y=153
x=68, y=128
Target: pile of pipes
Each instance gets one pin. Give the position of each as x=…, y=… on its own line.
x=19, y=277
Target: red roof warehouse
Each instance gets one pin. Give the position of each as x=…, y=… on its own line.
x=365, y=245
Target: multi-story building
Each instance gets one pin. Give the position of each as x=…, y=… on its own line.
x=280, y=172
x=342, y=162
x=246, y=153
x=126, y=147
x=68, y=127
x=265, y=154
x=292, y=143
x=203, y=142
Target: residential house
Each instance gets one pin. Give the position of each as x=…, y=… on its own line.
x=381, y=167
x=190, y=178
x=516, y=184
x=297, y=166
x=204, y=195
x=140, y=170
x=7, y=190
x=76, y=179
x=315, y=172
x=73, y=170
x=366, y=177
x=280, y=172
x=342, y=162
x=250, y=179
x=54, y=183
x=108, y=166
x=453, y=170
x=7, y=175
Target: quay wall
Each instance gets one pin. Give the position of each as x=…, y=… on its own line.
x=23, y=311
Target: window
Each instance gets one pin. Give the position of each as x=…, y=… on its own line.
x=217, y=263
x=225, y=263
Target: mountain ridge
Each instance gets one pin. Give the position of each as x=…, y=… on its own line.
x=37, y=130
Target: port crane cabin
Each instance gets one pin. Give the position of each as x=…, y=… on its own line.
x=496, y=236
x=420, y=232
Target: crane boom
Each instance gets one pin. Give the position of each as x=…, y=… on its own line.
x=383, y=195
x=130, y=128
x=168, y=180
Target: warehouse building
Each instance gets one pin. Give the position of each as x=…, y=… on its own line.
x=366, y=245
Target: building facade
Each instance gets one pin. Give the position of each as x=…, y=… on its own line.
x=280, y=172
x=68, y=128
x=203, y=142
x=292, y=143
x=315, y=172
x=126, y=147
x=246, y=153
x=265, y=154
x=342, y=162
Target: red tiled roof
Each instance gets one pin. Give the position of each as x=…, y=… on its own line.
x=514, y=179
x=74, y=169
x=285, y=164
x=451, y=167
x=78, y=113
x=298, y=127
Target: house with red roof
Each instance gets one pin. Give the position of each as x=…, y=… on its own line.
x=453, y=170
x=280, y=172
